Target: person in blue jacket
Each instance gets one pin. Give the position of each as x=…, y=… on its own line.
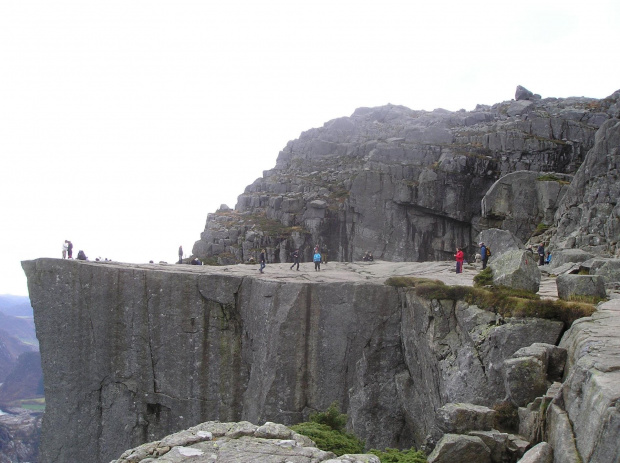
x=317, y=261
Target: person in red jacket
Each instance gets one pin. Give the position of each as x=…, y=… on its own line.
x=459, y=256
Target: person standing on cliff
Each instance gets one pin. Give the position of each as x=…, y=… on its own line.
x=483, y=255
x=180, y=254
x=65, y=246
x=541, y=254
x=460, y=257
x=69, y=249
x=261, y=260
x=317, y=261
x=295, y=259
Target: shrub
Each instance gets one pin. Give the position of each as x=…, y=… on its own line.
x=331, y=417
x=329, y=439
x=400, y=456
x=484, y=278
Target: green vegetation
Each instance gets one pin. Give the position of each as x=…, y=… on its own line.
x=326, y=429
x=541, y=228
x=484, y=278
x=400, y=456
x=551, y=177
x=209, y=261
x=507, y=302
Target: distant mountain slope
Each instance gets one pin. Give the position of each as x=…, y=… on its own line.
x=10, y=349
x=18, y=306
x=21, y=328
x=25, y=380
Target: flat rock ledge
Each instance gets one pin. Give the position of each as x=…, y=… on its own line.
x=236, y=443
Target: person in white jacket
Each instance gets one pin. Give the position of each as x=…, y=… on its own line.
x=65, y=246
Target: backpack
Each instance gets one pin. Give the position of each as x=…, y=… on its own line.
x=488, y=252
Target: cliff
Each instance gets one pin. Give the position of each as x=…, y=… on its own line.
x=131, y=353
x=408, y=185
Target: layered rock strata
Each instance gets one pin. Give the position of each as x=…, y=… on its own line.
x=131, y=353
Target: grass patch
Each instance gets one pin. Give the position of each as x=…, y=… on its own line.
x=507, y=302
x=400, y=456
x=484, y=278
x=541, y=228
x=551, y=177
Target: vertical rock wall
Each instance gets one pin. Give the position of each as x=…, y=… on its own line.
x=133, y=353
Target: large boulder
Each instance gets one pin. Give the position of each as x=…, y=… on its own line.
x=499, y=241
x=540, y=453
x=458, y=447
x=609, y=269
x=525, y=379
x=562, y=257
x=580, y=285
x=516, y=269
x=460, y=418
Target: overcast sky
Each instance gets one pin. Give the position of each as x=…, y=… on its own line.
x=123, y=123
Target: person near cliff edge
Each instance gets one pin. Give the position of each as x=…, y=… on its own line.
x=460, y=257
x=180, y=254
x=484, y=257
x=541, y=254
x=69, y=249
x=295, y=256
x=317, y=261
x=261, y=260
x=65, y=246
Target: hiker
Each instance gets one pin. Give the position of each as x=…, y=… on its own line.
x=81, y=255
x=69, y=249
x=459, y=256
x=196, y=261
x=261, y=260
x=485, y=253
x=317, y=261
x=548, y=258
x=180, y=254
x=541, y=254
x=295, y=256
x=65, y=246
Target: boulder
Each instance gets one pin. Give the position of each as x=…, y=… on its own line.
x=458, y=447
x=516, y=269
x=566, y=256
x=525, y=378
x=523, y=93
x=460, y=418
x=609, y=269
x=552, y=357
x=499, y=241
x=580, y=285
x=540, y=453
x=504, y=447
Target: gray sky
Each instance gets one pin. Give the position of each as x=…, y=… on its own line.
x=123, y=123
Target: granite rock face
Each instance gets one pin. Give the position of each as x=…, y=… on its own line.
x=406, y=185
x=132, y=353
x=581, y=285
x=589, y=214
x=523, y=201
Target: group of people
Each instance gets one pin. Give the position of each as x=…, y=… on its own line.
x=67, y=251
x=544, y=258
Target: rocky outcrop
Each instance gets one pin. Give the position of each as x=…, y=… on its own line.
x=132, y=353
x=570, y=286
x=524, y=202
x=20, y=430
x=236, y=442
x=589, y=214
x=516, y=269
x=406, y=185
